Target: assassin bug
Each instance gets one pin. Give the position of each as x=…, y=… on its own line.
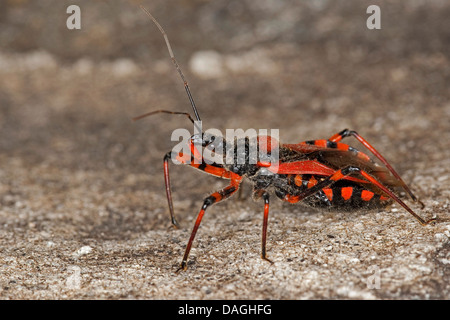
x=322, y=173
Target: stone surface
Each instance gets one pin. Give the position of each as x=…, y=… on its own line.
x=83, y=213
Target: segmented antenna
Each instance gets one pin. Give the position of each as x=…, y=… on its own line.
x=164, y=111
x=186, y=86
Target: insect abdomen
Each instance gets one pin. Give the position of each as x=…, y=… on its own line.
x=343, y=195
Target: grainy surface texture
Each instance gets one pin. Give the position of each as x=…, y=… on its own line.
x=83, y=213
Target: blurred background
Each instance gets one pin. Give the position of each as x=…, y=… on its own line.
x=309, y=68
x=73, y=165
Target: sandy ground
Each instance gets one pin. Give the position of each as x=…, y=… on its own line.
x=83, y=213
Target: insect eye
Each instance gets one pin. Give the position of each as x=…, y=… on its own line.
x=207, y=140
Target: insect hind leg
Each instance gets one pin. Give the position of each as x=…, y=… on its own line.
x=351, y=133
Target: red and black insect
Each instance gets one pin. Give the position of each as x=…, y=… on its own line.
x=324, y=173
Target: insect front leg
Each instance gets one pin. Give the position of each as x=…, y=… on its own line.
x=218, y=196
x=169, y=190
x=187, y=159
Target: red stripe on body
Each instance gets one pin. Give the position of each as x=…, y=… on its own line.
x=346, y=192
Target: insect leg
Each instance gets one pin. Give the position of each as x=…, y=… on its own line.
x=212, y=199
x=168, y=189
x=265, y=195
x=211, y=169
x=264, y=231
x=347, y=133
x=351, y=170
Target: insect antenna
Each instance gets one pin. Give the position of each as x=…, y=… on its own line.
x=163, y=111
x=186, y=86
